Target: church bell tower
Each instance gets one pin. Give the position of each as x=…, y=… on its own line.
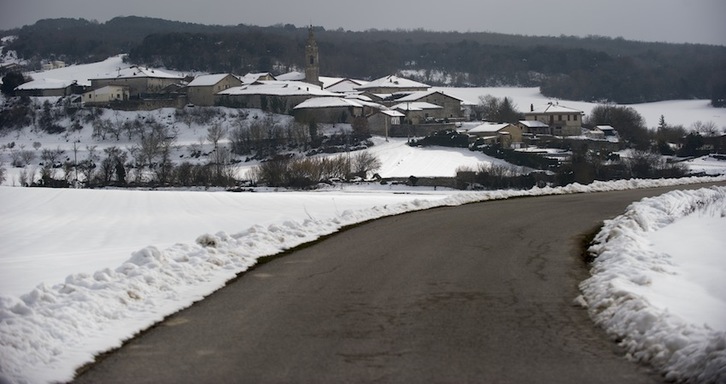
x=312, y=65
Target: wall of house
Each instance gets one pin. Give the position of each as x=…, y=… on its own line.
x=204, y=95
x=561, y=124
x=451, y=106
x=108, y=95
x=137, y=85
x=43, y=92
x=149, y=104
x=536, y=130
x=379, y=124
x=328, y=115
x=420, y=117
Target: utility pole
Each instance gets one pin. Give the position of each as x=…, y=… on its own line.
x=75, y=160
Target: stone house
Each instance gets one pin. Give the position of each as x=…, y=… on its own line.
x=329, y=110
x=534, y=127
x=271, y=96
x=508, y=135
x=344, y=86
x=202, y=89
x=383, y=122
x=107, y=94
x=418, y=112
x=140, y=81
x=563, y=121
x=450, y=106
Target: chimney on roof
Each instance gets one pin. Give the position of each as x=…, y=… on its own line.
x=531, y=107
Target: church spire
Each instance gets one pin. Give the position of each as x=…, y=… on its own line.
x=312, y=65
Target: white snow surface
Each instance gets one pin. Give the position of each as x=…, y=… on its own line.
x=658, y=283
x=675, y=112
x=84, y=270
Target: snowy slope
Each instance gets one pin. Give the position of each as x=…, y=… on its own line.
x=676, y=112
x=114, y=288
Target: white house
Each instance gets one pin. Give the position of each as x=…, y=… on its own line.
x=106, y=94
x=507, y=134
x=563, y=121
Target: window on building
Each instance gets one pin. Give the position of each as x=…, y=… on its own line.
x=312, y=59
x=559, y=117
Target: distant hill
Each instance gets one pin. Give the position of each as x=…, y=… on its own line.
x=589, y=69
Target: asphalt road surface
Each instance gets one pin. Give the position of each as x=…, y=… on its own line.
x=481, y=293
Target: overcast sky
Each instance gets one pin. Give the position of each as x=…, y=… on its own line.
x=691, y=21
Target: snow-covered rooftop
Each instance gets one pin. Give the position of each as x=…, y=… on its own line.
x=533, y=124
x=139, y=72
x=341, y=85
x=413, y=96
x=253, y=77
x=416, y=106
x=207, y=80
x=392, y=113
x=45, y=84
x=489, y=128
x=291, y=76
x=328, y=102
x=278, y=88
x=393, y=82
x=554, y=108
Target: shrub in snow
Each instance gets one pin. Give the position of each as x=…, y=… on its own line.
x=206, y=240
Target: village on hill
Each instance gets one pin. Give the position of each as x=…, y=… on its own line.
x=390, y=106
x=261, y=116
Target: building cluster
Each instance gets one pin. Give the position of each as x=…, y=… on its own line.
x=390, y=106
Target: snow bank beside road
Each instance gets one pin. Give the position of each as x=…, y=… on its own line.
x=668, y=310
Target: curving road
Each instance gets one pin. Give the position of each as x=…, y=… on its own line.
x=480, y=293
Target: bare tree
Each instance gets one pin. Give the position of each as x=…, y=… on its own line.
x=51, y=160
x=707, y=129
x=88, y=166
x=364, y=162
x=27, y=156
x=221, y=156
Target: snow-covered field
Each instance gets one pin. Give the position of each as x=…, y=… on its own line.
x=675, y=112
x=83, y=270
x=658, y=283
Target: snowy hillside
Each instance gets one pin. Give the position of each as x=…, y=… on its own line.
x=676, y=112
